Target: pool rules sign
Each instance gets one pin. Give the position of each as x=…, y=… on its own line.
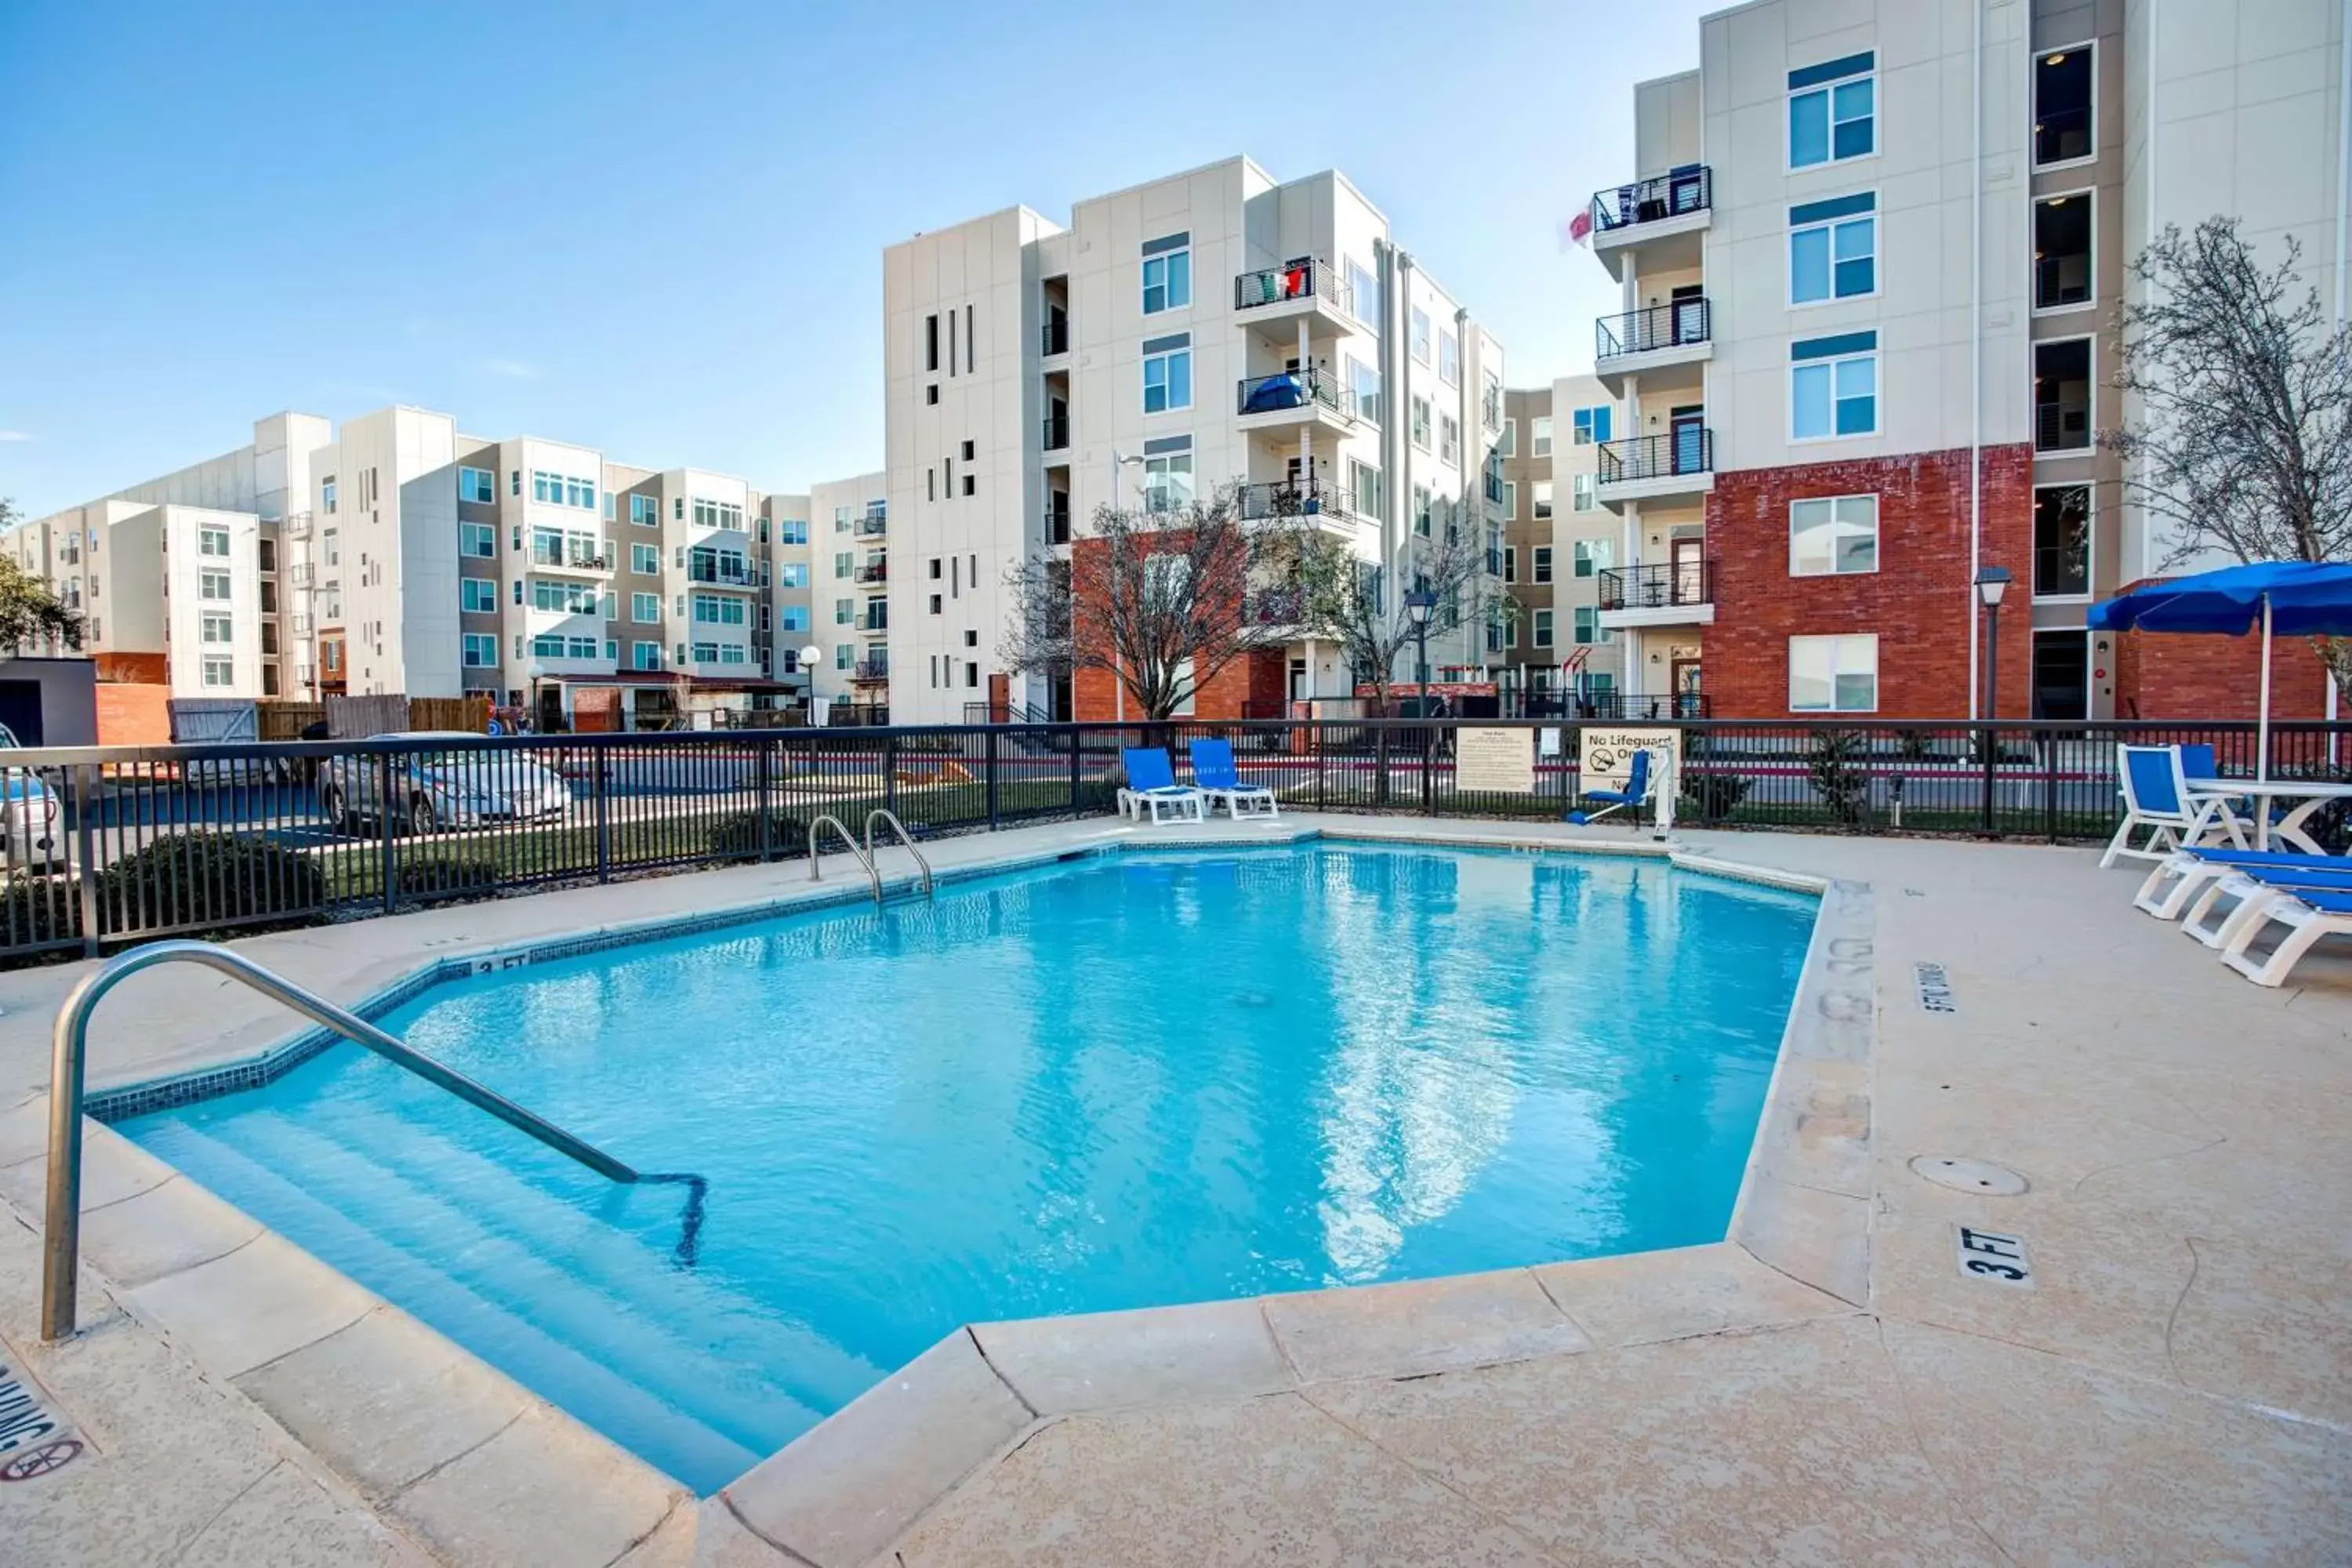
x=1501, y=760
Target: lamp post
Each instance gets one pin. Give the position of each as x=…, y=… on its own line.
x=1992, y=581
x=1419, y=605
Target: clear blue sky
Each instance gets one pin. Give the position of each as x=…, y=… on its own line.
x=657, y=227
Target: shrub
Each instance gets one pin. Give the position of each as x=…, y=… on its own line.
x=208, y=877
x=1711, y=798
x=35, y=910
x=1835, y=764
x=445, y=869
x=737, y=835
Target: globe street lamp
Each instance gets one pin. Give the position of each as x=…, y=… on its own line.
x=1419, y=605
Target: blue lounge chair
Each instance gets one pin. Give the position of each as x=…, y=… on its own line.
x=1151, y=781
x=2156, y=788
x=1631, y=799
x=2182, y=875
x=1219, y=780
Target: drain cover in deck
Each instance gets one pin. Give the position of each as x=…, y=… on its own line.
x=1965, y=1175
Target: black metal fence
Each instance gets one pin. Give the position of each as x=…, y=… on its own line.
x=101, y=848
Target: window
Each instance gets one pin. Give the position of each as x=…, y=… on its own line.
x=1594, y=555
x=1420, y=423
x=845, y=564
x=645, y=656
x=1511, y=497
x=331, y=548
x=1589, y=629
x=216, y=629
x=644, y=608
x=646, y=510
x=1834, y=675
x=2063, y=253
x=1364, y=489
x=1449, y=439
x=1833, y=249
x=565, y=598
x=1420, y=510
x=715, y=609
x=219, y=671
x=327, y=495
x=792, y=531
x=1833, y=111
x=1167, y=274
x=1168, y=482
x=481, y=650
x=1510, y=564
x=2066, y=103
x=1542, y=562
x=645, y=560
x=1543, y=623
x=720, y=514
x=1364, y=297
x=1508, y=447
x=2061, y=542
x=1833, y=536
x=938, y=604
x=1168, y=374
x=1419, y=337
x=1449, y=358
x=1588, y=426
x=843, y=657
x=477, y=485
x=477, y=540
x=1364, y=391
x=1539, y=435
x=844, y=612
x=1580, y=492
x=1542, y=496
x=212, y=542
x=792, y=618
x=1834, y=388
x=478, y=595
x=213, y=585
x=792, y=574
x=2062, y=395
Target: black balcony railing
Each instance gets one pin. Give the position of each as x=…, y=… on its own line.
x=1057, y=524
x=1689, y=450
x=1277, y=607
x=1667, y=587
x=1308, y=280
x=2060, y=135
x=873, y=572
x=735, y=574
x=2061, y=570
x=1056, y=337
x=870, y=669
x=1290, y=389
x=871, y=527
x=1685, y=191
x=1681, y=324
x=1057, y=432
x=1283, y=498
x=2062, y=426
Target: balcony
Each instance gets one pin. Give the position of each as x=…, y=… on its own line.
x=1310, y=289
x=869, y=671
x=572, y=555
x=1644, y=343
x=1057, y=432
x=1275, y=607
x=1054, y=338
x=1673, y=467
x=873, y=572
x=877, y=617
x=1662, y=218
x=870, y=527
x=1677, y=595
x=1293, y=398
x=1058, y=523
x=1284, y=498
x=721, y=573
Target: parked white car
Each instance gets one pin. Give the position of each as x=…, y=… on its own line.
x=433, y=788
x=30, y=838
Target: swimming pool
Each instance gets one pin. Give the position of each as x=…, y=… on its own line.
x=1126, y=1080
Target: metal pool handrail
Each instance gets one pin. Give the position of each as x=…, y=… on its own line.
x=905, y=837
x=61, y=1235
x=865, y=860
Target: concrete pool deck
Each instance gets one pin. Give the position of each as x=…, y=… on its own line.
x=2176, y=1384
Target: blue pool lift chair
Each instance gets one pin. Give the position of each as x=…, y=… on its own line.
x=1630, y=799
x=1220, y=779
x=1151, y=782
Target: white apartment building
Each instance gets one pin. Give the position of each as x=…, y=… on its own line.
x=1871, y=262
x=1558, y=544
x=1214, y=327
x=850, y=590
x=398, y=554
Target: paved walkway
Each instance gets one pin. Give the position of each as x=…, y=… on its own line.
x=2176, y=1386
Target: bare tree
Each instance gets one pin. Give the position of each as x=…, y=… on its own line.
x=1165, y=600
x=1349, y=600
x=30, y=612
x=2243, y=443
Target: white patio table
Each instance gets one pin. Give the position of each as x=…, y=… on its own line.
x=2214, y=796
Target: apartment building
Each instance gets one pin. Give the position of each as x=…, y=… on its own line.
x=1870, y=263
x=851, y=592
x=1214, y=327
x=398, y=554
x=1558, y=543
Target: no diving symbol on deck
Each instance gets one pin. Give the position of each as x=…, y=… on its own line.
x=34, y=1439
x=40, y=1461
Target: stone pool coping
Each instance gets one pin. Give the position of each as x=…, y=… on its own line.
x=442, y=1445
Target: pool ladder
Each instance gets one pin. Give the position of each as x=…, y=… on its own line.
x=865, y=853
x=62, y=1232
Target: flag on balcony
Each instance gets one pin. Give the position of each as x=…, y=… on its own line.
x=1576, y=230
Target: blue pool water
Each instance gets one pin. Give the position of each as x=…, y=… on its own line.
x=1117, y=1082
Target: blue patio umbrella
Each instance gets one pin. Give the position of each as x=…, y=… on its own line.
x=2300, y=598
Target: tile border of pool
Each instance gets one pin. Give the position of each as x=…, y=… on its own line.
x=847, y=1489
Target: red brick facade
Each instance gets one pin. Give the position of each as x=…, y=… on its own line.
x=1919, y=602
x=1252, y=686
x=2163, y=675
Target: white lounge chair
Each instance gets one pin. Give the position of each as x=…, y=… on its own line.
x=2308, y=915
x=2156, y=797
